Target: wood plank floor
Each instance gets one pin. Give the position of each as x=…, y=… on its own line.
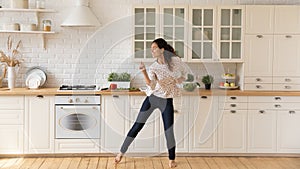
x=152, y=163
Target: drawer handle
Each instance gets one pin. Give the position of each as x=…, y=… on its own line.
x=287, y=87
x=115, y=96
x=261, y=111
x=277, y=98
x=259, y=36
x=288, y=36
x=203, y=97
x=232, y=105
x=232, y=111
x=287, y=80
x=258, y=86
x=40, y=96
x=292, y=112
x=233, y=98
x=258, y=79
x=277, y=105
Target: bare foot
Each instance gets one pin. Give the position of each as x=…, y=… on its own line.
x=172, y=164
x=118, y=158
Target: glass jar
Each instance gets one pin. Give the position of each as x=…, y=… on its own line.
x=40, y=4
x=46, y=25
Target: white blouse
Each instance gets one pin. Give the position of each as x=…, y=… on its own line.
x=163, y=81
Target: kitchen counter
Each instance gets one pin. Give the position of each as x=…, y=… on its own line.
x=54, y=91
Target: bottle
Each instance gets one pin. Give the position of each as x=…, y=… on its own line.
x=40, y=4
x=46, y=25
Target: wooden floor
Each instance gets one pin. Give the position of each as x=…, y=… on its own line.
x=152, y=162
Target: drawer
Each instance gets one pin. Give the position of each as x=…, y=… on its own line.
x=11, y=117
x=233, y=99
x=260, y=106
x=274, y=106
x=258, y=80
x=11, y=102
x=287, y=80
x=272, y=99
x=286, y=87
x=256, y=86
x=232, y=106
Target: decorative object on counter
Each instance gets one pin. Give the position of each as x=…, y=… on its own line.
x=23, y=4
x=4, y=68
x=190, y=85
x=11, y=61
x=229, y=81
x=122, y=80
x=207, y=80
x=35, y=77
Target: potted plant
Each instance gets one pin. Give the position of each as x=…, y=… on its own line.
x=207, y=80
x=119, y=80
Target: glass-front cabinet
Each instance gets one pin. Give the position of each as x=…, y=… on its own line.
x=174, y=28
x=230, y=39
x=146, y=29
x=202, y=34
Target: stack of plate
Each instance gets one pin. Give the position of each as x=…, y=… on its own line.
x=35, y=78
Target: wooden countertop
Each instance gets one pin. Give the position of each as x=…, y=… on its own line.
x=54, y=91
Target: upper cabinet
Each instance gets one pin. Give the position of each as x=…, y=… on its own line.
x=230, y=32
x=259, y=19
x=287, y=19
x=202, y=35
x=146, y=29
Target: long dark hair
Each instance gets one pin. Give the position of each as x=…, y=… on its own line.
x=169, y=51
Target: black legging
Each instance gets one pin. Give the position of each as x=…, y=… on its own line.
x=149, y=105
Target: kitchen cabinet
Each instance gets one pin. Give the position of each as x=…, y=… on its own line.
x=146, y=29
x=37, y=18
x=287, y=19
x=114, y=124
x=230, y=33
x=232, y=127
x=11, y=124
x=39, y=124
x=202, y=34
x=262, y=127
x=203, y=124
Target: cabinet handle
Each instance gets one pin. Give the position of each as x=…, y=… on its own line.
x=40, y=96
x=259, y=36
x=288, y=36
x=232, y=105
x=233, y=98
x=292, y=112
x=261, y=111
x=287, y=87
x=232, y=111
x=287, y=80
x=277, y=105
x=277, y=98
x=258, y=86
x=258, y=79
x=203, y=97
x=115, y=96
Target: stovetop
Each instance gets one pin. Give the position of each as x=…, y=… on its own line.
x=78, y=87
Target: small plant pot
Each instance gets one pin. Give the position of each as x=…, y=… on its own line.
x=207, y=86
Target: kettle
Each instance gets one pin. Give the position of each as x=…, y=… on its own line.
x=4, y=68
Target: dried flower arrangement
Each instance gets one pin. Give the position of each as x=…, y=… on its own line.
x=11, y=61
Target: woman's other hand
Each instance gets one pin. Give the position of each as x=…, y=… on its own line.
x=142, y=66
x=180, y=80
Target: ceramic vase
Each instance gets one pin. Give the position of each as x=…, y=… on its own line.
x=11, y=77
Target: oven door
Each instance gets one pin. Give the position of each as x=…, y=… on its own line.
x=77, y=121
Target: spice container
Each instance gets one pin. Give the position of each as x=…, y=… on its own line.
x=46, y=25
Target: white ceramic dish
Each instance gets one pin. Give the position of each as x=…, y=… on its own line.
x=33, y=73
x=230, y=88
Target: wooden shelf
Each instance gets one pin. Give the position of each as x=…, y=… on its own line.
x=29, y=32
x=25, y=10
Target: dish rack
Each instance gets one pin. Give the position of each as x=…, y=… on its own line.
x=229, y=79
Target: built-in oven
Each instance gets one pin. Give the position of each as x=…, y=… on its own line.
x=77, y=116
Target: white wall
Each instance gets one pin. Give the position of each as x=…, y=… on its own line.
x=87, y=55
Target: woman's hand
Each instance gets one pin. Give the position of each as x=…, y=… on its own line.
x=180, y=80
x=142, y=66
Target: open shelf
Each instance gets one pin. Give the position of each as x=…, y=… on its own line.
x=25, y=10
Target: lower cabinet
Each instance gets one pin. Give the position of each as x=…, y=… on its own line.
x=39, y=124
x=11, y=124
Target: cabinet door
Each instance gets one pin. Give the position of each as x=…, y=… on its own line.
x=113, y=126
x=203, y=125
x=286, y=55
x=146, y=29
x=259, y=19
x=258, y=55
x=261, y=131
x=174, y=28
x=230, y=38
x=39, y=124
x=11, y=103
x=232, y=131
x=12, y=137
x=202, y=34
x=288, y=128
x=287, y=19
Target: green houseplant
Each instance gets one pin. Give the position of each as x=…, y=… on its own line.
x=121, y=80
x=207, y=80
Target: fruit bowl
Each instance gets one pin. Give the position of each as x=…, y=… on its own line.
x=229, y=87
x=228, y=76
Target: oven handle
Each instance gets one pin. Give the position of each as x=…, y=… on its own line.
x=77, y=107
